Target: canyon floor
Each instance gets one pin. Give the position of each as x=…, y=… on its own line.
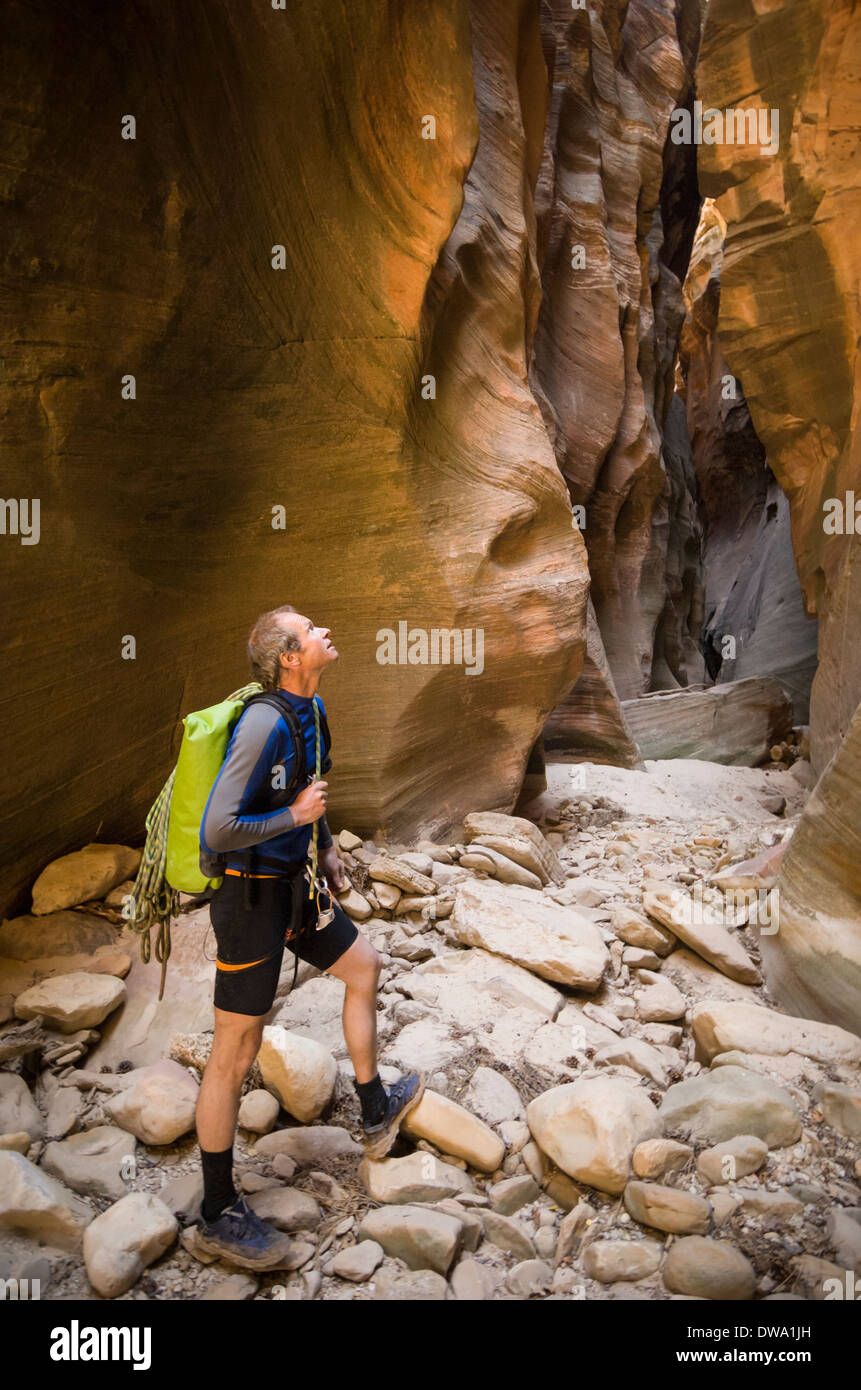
x=493, y=1035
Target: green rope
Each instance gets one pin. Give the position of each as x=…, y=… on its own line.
x=152, y=902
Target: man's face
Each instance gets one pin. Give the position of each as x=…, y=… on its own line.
x=317, y=649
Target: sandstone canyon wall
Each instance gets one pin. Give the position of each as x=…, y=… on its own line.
x=260, y=388
x=789, y=312
x=607, y=336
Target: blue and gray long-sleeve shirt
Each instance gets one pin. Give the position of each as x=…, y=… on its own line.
x=235, y=816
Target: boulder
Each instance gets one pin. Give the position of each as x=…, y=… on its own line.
x=421, y=1237
x=704, y=1268
x=396, y=1285
x=70, y=1002
x=636, y=930
x=18, y=1110
x=93, y=1163
x=509, y=1195
x=81, y=877
x=358, y=1262
x=59, y=934
x=126, y=1238
x=419, y=1177
x=735, y=723
x=657, y=1158
x=703, y=931
x=723, y=1026
x=590, y=1128
x=521, y=925
x=355, y=905
x=611, y=1260
x=503, y=869
x=667, y=1208
x=841, y=1106
x=734, y=1158
x=730, y=1101
x=299, y=1070
x=286, y=1208
x=451, y=1128
x=384, y=869
x=492, y=1096
x=157, y=1103
x=507, y=1234
x=660, y=1001
x=632, y=1052
x=310, y=1146
x=33, y=1201
x=258, y=1111
x=518, y=839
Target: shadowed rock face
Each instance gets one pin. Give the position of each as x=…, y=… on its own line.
x=789, y=292
x=752, y=593
x=258, y=388
x=813, y=961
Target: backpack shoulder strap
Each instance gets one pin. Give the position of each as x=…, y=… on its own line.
x=291, y=718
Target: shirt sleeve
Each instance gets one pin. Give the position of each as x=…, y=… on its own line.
x=223, y=828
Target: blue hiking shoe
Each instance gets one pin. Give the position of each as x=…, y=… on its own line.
x=239, y=1236
x=402, y=1097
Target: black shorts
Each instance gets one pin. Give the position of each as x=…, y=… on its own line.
x=252, y=920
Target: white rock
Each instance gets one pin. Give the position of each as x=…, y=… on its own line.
x=32, y=1201
x=18, y=1110
x=518, y=839
x=126, y=1238
x=77, y=1000
x=157, y=1103
x=421, y=1237
x=522, y=925
x=492, y=1096
x=258, y=1111
x=721, y=1026
x=419, y=1177
x=92, y=1163
x=300, y=1071
x=358, y=1262
x=632, y=1052
x=590, y=1128
x=451, y=1128
x=705, y=933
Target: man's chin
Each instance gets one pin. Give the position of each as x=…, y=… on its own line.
x=332, y=653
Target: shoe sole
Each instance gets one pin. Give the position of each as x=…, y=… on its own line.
x=261, y=1263
x=380, y=1145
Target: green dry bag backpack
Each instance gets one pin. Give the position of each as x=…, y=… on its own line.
x=206, y=734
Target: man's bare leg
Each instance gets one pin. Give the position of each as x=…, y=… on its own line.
x=382, y=1110
x=359, y=968
x=235, y=1045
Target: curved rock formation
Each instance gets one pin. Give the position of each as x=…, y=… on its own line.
x=813, y=961
x=279, y=446
x=789, y=314
x=752, y=594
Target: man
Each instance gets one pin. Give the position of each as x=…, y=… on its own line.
x=263, y=900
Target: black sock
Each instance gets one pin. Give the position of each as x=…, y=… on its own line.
x=218, y=1189
x=373, y=1099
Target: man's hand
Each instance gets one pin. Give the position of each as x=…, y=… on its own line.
x=310, y=804
x=333, y=869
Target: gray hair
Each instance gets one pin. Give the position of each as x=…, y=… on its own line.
x=267, y=640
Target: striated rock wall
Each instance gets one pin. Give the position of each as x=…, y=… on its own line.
x=789, y=311
x=751, y=590
x=260, y=388
x=813, y=961
x=599, y=365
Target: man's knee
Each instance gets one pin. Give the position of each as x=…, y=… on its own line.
x=362, y=970
x=235, y=1045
